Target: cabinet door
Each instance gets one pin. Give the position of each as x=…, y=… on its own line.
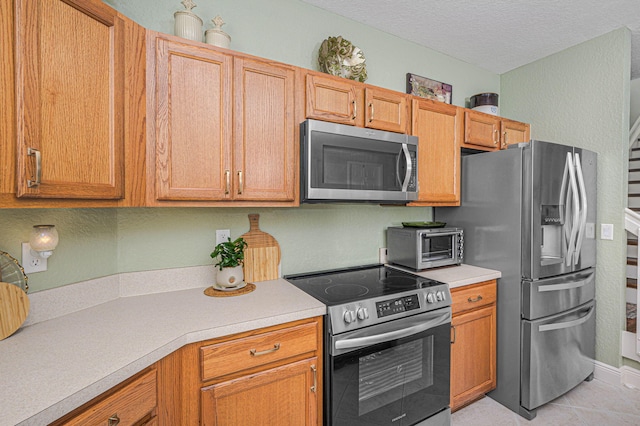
x=473, y=355
x=481, y=131
x=70, y=99
x=193, y=122
x=386, y=110
x=513, y=132
x=283, y=396
x=438, y=127
x=333, y=100
x=265, y=148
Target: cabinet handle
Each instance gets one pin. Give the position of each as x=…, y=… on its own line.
x=477, y=299
x=355, y=109
x=453, y=327
x=255, y=352
x=227, y=178
x=240, y=183
x=371, y=108
x=495, y=138
x=314, y=388
x=504, y=141
x=36, y=153
x=114, y=420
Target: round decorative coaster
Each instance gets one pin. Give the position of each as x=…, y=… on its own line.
x=210, y=291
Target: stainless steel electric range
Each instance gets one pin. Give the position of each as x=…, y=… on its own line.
x=387, y=346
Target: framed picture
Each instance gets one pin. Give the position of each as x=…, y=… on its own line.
x=427, y=88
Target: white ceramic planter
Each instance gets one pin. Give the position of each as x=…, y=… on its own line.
x=230, y=277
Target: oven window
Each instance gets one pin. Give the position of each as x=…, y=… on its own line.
x=390, y=374
x=437, y=247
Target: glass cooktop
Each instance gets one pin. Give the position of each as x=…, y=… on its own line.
x=340, y=286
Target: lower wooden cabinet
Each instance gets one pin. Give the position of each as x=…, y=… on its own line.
x=134, y=402
x=473, y=349
x=285, y=395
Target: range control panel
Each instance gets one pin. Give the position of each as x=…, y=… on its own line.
x=395, y=306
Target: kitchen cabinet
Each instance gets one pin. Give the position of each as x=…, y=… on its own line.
x=473, y=349
x=134, y=402
x=349, y=102
x=223, y=126
x=267, y=376
x=488, y=132
x=439, y=128
x=70, y=94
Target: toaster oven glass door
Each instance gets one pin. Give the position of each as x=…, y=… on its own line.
x=438, y=247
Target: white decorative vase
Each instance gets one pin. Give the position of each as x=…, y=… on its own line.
x=230, y=277
x=188, y=25
x=216, y=36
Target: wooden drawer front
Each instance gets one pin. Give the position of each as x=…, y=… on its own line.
x=225, y=358
x=473, y=296
x=130, y=404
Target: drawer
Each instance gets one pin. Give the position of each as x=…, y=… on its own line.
x=130, y=404
x=229, y=357
x=473, y=296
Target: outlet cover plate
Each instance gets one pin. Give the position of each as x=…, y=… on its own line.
x=32, y=263
x=222, y=236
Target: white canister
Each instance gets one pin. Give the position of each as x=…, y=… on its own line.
x=188, y=25
x=215, y=36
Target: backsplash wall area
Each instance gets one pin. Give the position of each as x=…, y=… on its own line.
x=100, y=242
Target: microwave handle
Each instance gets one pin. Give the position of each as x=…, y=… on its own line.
x=409, y=172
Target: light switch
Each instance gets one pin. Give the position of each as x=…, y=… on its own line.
x=591, y=230
x=606, y=231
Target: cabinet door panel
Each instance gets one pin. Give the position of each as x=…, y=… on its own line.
x=332, y=100
x=264, y=152
x=70, y=99
x=193, y=122
x=386, y=110
x=281, y=396
x=513, y=132
x=481, y=130
x=439, y=130
x=473, y=355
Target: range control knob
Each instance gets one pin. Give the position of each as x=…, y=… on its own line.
x=349, y=316
x=441, y=295
x=363, y=313
x=431, y=297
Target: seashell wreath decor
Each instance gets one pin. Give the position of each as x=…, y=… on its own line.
x=340, y=57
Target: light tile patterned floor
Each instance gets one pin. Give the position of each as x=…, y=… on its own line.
x=594, y=403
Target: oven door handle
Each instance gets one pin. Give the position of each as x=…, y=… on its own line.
x=358, y=342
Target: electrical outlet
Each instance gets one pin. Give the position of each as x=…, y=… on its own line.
x=222, y=236
x=382, y=255
x=32, y=263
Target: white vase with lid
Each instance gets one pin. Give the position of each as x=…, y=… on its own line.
x=187, y=24
x=216, y=36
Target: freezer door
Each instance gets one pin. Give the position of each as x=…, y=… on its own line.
x=557, y=354
x=559, y=208
x=546, y=297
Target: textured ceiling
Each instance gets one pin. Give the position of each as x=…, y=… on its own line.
x=497, y=35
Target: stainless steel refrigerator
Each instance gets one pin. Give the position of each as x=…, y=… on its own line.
x=530, y=212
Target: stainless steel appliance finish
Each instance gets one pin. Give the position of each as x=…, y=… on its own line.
x=423, y=248
x=347, y=163
x=529, y=212
x=387, y=346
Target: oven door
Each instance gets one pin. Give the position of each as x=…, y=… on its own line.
x=395, y=373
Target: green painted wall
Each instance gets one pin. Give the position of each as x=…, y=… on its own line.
x=100, y=242
x=580, y=97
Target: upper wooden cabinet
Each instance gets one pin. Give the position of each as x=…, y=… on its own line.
x=439, y=128
x=349, y=102
x=488, y=132
x=222, y=126
x=69, y=99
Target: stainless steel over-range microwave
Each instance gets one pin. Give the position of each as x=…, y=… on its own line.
x=347, y=163
x=423, y=248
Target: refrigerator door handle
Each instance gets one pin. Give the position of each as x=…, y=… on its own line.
x=572, y=200
x=564, y=286
x=568, y=324
x=583, y=209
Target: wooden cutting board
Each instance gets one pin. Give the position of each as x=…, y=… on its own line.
x=14, y=308
x=262, y=255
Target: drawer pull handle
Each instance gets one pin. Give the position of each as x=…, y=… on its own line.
x=477, y=299
x=255, y=352
x=114, y=420
x=315, y=379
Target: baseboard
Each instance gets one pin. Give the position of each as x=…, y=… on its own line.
x=625, y=375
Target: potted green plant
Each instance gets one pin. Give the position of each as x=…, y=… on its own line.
x=230, y=259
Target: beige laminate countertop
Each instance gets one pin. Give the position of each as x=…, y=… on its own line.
x=49, y=368
x=456, y=276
